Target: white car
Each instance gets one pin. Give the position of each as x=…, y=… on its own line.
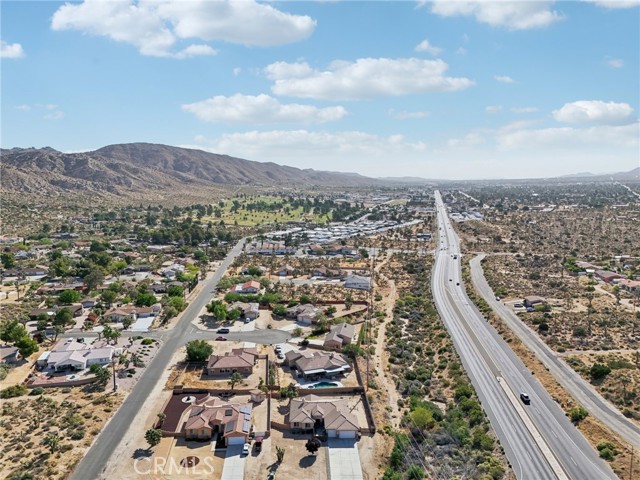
x=245, y=449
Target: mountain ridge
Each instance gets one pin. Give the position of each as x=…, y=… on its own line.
x=133, y=168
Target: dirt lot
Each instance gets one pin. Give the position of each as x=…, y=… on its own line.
x=69, y=418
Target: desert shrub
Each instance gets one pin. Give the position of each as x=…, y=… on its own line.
x=37, y=391
x=147, y=341
x=13, y=391
x=599, y=370
x=577, y=414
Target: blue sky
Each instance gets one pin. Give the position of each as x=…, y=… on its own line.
x=444, y=89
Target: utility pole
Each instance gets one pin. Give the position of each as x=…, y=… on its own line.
x=113, y=368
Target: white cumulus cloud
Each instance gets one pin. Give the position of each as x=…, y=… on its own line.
x=600, y=136
x=11, y=50
x=513, y=15
x=345, y=151
x=615, y=62
x=493, y=108
x=260, y=109
x=615, y=3
x=425, y=46
x=365, y=78
x=595, y=112
x=156, y=27
x=503, y=79
x=524, y=109
x=404, y=115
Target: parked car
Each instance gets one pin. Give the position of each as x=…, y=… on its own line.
x=222, y=330
x=280, y=355
x=220, y=338
x=525, y=398
x=245, y=449
x=531, y=309
x=517, y=305
x=247, y=320
x=277, y=349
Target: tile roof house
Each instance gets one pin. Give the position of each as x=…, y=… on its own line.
x=212, y=415
x=240, y=360
x=310, y=365
x=334, y=415
x=340, y=335
x=251, y=286
x=118, y=314
x=358, y=282
x=305, y=313
x=72, y=355
x=629, y=285
x=285, y=271
x=249, y=310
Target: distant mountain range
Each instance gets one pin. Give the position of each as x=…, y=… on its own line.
x=135, y=168
x=144, y=170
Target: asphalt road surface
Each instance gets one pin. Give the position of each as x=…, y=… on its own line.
x=563, y=373
x=94, y=462
x=538, y=439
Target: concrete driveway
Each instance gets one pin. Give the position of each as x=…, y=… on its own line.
x=233, y=464
x=344, y=460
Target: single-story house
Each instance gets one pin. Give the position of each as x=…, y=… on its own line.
x=305, y=313
x=88, y=302
x=315, y=249
x=118, y=314
x=311, y=365
x=9, y=354
x=629, y=285
x=212, y=415
x=339, y=336
x=249, y=310
x=607, y=276
x=240, y=360
x=33, y=314
x=158, y=288
x=333, y=414
x=327, y=273
x=76, y=309
x=533, y=300
x=73, y=355
x=250, y=287
x=285, y=271
x=358, y=282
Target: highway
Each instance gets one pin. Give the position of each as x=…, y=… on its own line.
x=92, y=466
x=538, y=439
x=571, y=380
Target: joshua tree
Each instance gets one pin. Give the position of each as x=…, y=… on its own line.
x=279, y=454
x=235, y=378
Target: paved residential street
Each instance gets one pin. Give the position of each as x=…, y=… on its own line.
x=92, y=466
x=538, y=439
x=563, y=373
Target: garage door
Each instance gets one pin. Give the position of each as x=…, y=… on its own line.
x=332, y=434
x=347, y=434
x=235, y=440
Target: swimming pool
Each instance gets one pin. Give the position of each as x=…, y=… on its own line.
x=324, y=385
